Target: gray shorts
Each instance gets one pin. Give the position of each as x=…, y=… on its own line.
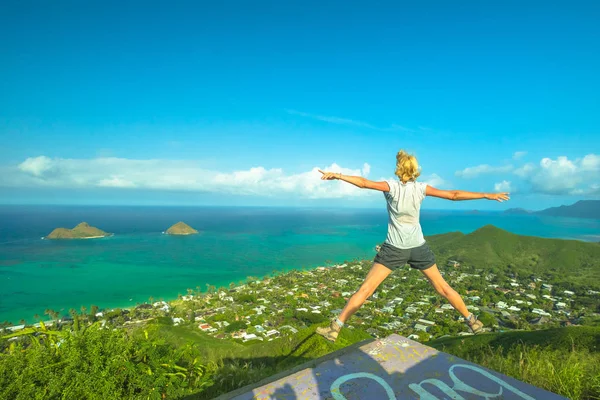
x=418, y=257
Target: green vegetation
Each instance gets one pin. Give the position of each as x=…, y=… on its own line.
x=207, y=343
x=564, y=361
x=181, y=228
x=562, y=261
x=153, y=362
x=81, y=231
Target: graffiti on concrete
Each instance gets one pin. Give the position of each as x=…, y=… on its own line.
x=420, y=388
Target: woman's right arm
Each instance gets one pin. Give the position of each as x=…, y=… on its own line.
x=456, y=195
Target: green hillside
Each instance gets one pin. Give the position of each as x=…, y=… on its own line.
x=563, y=360
x=490, y=247
x=238, y=364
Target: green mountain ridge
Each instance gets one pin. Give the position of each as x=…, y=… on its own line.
x=580, y=209
x=490, y=247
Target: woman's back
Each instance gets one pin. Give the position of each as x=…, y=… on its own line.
x=404, y=207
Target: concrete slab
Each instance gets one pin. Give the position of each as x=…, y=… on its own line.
x=389, y=369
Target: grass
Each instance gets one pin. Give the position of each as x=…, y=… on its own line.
x=563, y=360
x=238, y=364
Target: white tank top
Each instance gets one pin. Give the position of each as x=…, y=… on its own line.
x=404, y=207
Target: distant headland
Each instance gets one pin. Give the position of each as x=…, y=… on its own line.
x=181, y=228
x=581, y=209
x=81, y=231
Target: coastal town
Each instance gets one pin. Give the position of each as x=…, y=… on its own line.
x=279, y=305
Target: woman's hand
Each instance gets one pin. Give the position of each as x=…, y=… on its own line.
x=498, y=196
x=329, y=176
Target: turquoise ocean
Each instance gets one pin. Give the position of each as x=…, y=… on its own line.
x=140, y=262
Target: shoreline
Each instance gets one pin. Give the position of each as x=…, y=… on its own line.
x=79, y=238
x=175, y=298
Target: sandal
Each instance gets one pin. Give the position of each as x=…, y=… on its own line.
x=474, y=324
x=330, y=332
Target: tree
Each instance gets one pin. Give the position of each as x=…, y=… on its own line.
x=487, y=319
x=235, y=326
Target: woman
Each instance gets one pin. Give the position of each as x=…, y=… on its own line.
x=404, y=243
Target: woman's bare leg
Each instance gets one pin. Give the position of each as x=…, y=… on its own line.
x=374, y=278
x=444, y=289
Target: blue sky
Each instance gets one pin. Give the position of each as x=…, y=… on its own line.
x=237, y=103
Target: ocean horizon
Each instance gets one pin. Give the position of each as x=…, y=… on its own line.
x=139, y=262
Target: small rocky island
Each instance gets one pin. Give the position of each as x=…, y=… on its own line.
x=181, y=228
x=81, y=231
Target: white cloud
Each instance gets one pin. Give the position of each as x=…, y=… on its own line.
x=434, y=180
x=474, y=172
x=519, y=154
x=563, y=176
x=349, y=122
x=525, y=170
x=591, y=162
x=178, y=175
x=366, y=169
x=504, y=186
x=36, y=166
x=117, y=182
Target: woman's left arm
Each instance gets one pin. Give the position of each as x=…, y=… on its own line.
x=357, y=181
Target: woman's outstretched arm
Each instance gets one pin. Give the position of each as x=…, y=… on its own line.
x=456, y=195
x=358, y=181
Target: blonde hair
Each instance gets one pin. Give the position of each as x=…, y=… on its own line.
x=407, y=167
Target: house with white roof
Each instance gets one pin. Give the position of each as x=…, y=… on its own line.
x=161, y=305
x=501, y=305
x=540, y=312
x=272, y=332
x=251, y=336
x=423, y=328
x=568, y=293
x=289, y=327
